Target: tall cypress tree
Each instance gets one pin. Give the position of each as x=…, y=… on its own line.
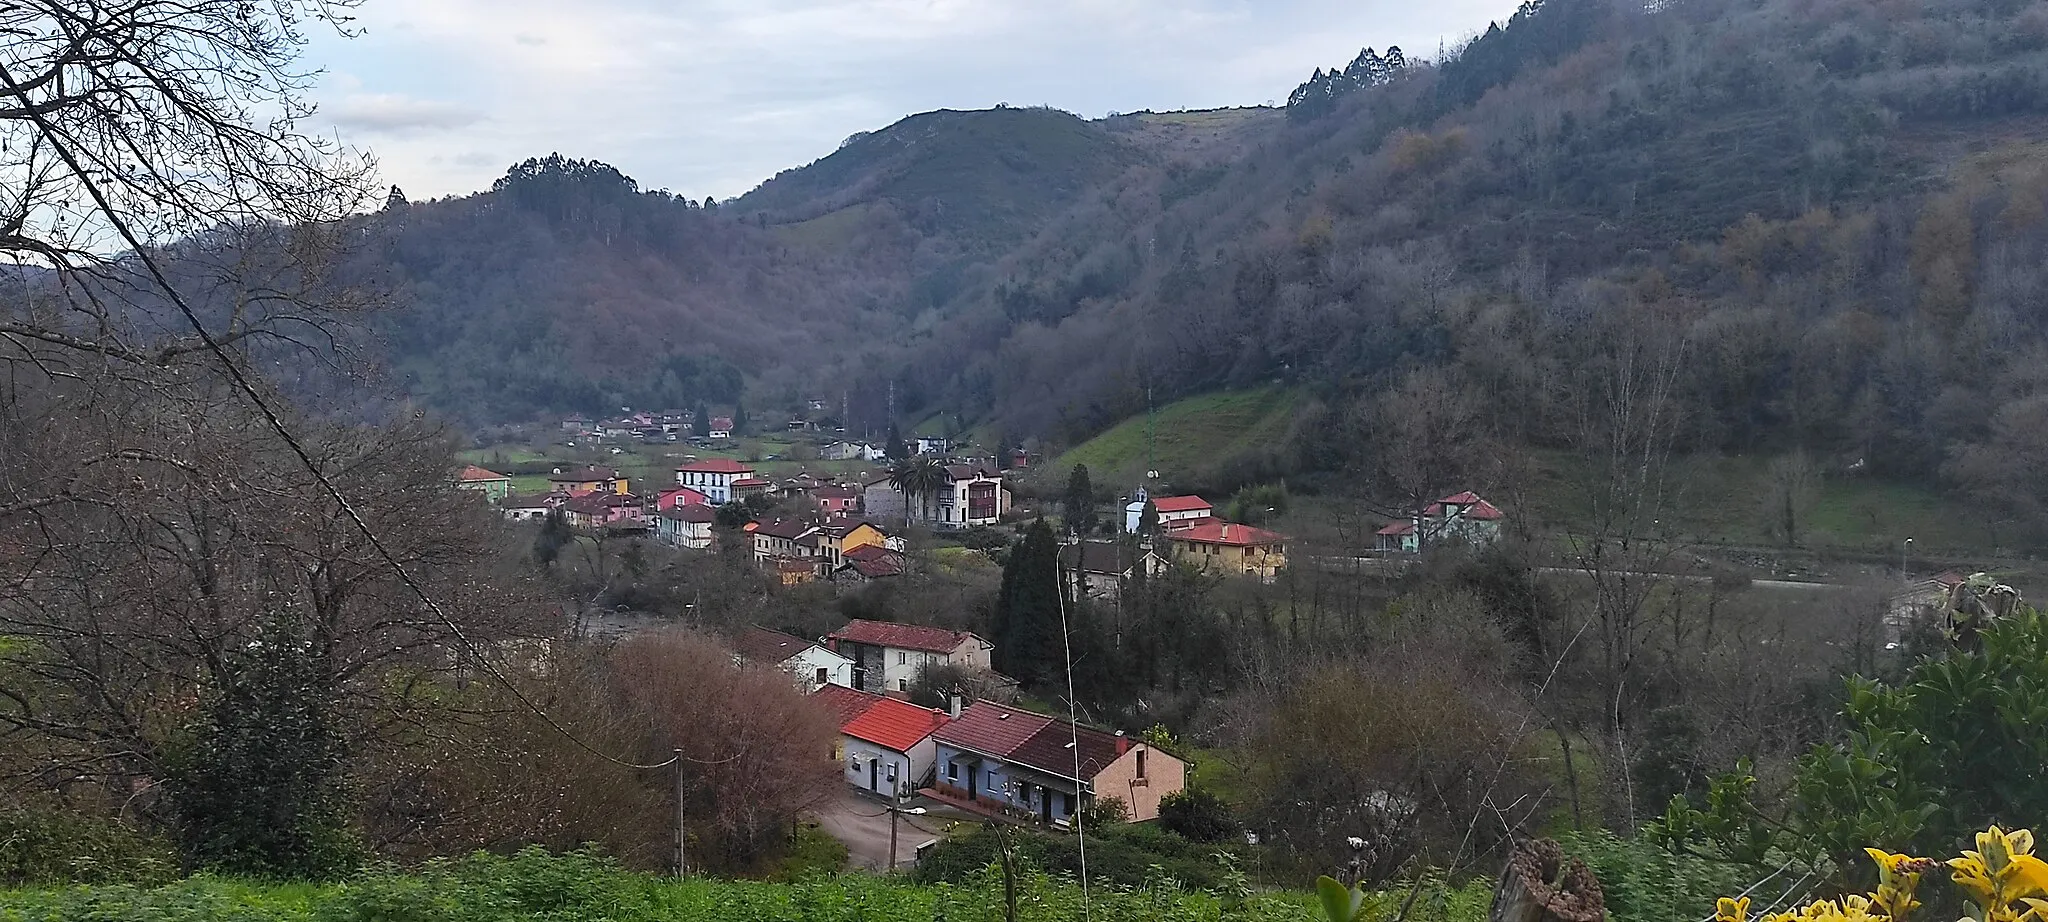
x=1027, y=618
x=1080, y=500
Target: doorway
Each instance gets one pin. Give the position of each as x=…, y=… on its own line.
x=872, y=783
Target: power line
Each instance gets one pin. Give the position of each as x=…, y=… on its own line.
x=1073, y=731
x=242, y=383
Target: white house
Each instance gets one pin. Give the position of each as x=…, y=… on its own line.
x=1463, y=517
x=685, y=526
x=932, y=445
x=851, y=451
x=810, y=664
x=972, y=495
x=885, y=745
x=1174, y=512
x=888, y=657
x=713, y=477
x=721, y=427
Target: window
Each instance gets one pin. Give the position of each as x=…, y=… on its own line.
x=824, y=675
x=952, y=771
x=1141, y=765
x=902, y=658
x=902, y=684
x=892, y=771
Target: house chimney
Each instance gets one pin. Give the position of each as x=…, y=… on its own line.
x=953, y=707
x=1123, y=743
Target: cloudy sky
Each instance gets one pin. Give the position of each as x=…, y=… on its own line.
x=710, y=97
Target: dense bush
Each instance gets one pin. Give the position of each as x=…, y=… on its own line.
x=1643, y=882
x=1123, y=855
x=1196, y=814
x=535, y=886
x=47, y=846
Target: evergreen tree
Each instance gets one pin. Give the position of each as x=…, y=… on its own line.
x=1080, y=501
x=260, y=793
x=700, y=424
x=1148, y=522
x=739, y=418
x=894, y=446
x=1027, y=617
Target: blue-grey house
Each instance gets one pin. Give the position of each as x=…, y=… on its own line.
x=1031, y=765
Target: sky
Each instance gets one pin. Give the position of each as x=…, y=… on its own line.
x=711, y=97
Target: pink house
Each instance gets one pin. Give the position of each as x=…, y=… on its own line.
x=835, y=499
x=674, y=497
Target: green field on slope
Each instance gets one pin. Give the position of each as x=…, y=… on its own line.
x=1186, y=439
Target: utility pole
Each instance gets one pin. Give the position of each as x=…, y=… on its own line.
x=896, y=811
x=682, y=835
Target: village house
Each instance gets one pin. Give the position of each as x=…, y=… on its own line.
x=836, y=499
x=597, y=510
x=686, y=526
x=751, y=486
x=530, y=507
x=852, y=451
x=713, y=477
x=931, y=445
x=885, y=744
x=810, y=664
x=972, y=495
x=587, y=479
x=794, y=571
x=1462, y=517
x=575, y=422
x=1031, y=765
x=782, y=539
x=1230, y=549
x=869, y=562
x=721, y=427
x=671, y=497
x=494, y=486
x=1174, y=512
x=841, y=535
x=1099, y=569
x=888, y=657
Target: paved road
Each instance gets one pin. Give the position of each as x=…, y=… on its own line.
x=1376, y=562
x=863, y=824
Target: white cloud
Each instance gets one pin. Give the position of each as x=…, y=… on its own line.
x=713, y=96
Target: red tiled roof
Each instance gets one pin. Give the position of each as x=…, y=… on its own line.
x=1047, y=750
x=901, y=636
x=898, y=725
x=1483, y=511
x=693, y=497
x=835, y=491
x=473, y=474
x=750, y=482
x=591, y=474
x=875, y=566
x=717, y=466
x=844, y=704
x=1398, y=528
x=761, y=645
x=991, y=728
x=1180, y=504
x=1466, y=498
x=721, y=424
x=869, y=552
x=1228, y=534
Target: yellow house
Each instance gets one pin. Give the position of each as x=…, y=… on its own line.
x=591, y=479
x=838, y=537
x=1232, y=550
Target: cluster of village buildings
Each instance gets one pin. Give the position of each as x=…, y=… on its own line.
x=983, y=755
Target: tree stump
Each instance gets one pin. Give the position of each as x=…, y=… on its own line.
x=1540, y=884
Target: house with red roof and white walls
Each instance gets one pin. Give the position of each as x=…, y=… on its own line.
x=1463, y=517
x=714, y=478
x=887, y=657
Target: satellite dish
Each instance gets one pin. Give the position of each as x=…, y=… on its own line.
x=1153, y=475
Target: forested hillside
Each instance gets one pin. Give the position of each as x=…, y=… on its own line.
x=1816, y=226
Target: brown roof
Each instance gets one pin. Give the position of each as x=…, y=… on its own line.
x=969, y=471
x=844, y=704
x=1048, y=750
x=761, y=645
x=835, y=491
x=1094, y=557
x=692, y=513
x=901, y=636
x=781, y=528
x=992, y=729
x=882, y=562
x=473, y=474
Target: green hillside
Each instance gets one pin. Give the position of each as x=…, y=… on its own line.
x=1185, y=440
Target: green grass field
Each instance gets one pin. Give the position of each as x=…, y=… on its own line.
x=1186, y=439
x=1720, y=500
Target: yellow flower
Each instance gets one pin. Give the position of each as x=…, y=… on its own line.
x=1732, y=910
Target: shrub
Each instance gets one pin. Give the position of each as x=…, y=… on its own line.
x=1197, y=815
x=52, y=846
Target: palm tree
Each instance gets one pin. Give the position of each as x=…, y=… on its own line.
x=916, y=478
